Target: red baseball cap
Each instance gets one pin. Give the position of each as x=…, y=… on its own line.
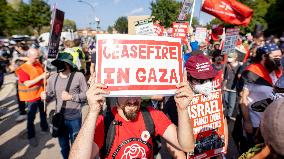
x=200, y=67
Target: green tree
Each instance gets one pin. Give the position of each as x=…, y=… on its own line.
x=275, y=18
x=165, y=11
x=217, y=21
x=269, y=13
x=109, y=29
x=69, y=24
x=195, y=21
x=3, y=16
x=39, y=14
x=121, y=25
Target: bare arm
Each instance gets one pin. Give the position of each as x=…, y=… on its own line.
x=245, y=111
x=181, y=137
x=29, y=83
x=84, y=147
x=92, y=68
x=244, y=104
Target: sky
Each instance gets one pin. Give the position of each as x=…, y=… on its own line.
x=109, y=10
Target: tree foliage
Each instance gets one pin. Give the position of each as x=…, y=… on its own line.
x=109, y=29
x=26, y=18
x=69, y=24
x=165, y=11
x=39, y=14
x=195, y=21
x=268, y=13
x=121, y=25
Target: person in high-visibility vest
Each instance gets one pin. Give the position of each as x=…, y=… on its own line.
x=81, y=54
x=31, y=79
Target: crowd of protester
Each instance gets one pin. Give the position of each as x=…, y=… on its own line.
x=252, y=88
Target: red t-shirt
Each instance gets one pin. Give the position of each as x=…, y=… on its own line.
x=130, y=137
x=23, y=76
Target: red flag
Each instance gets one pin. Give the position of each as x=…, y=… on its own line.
x=230, y=11
x=217, y=31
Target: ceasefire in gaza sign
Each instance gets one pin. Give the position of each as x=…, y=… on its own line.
x=135, y=65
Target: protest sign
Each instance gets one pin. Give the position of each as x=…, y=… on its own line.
x=200, y=34
x=55, y=32
x=207, y=120
x=186, y=5
x=144, y=27
x=158, y=30
x=134, y=65
x=231, y=38
x=180, y=30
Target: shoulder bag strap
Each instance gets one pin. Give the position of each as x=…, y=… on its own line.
x=62, y=110
x=54, y=89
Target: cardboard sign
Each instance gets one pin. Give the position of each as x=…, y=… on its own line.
x=187, y=4
x=231, y=39
x=180, y=31
x=207, y=120
x=144, y=27
x=158, y=30
x=55, y=32
x=135, y=65
x=200, y=34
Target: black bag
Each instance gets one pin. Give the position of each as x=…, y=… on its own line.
x=57, y=119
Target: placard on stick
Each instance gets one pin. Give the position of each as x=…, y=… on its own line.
x=231, y=39
x=135, y=65
x=55, y=33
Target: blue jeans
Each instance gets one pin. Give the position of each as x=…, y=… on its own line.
x=73, y=127
x=32, y=109
x=229, y=102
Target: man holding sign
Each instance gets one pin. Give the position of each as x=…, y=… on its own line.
x=132, y=129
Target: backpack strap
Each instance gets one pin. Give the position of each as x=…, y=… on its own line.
x=109, y=131
x=148, y=121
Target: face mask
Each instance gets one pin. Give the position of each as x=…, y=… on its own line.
x=206, y=88
x=61, y=68
x=277, y=62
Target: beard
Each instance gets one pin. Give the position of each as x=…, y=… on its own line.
x=131, y=112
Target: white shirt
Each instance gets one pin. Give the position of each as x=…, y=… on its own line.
x=257, y=93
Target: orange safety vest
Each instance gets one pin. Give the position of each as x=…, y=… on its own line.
x=34, y=91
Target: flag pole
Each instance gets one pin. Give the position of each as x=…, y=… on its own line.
x=45, y=67
x=192, y=11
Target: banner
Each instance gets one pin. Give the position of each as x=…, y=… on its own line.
x=55, y=32
x=200, y=34
x=229, y=11
x=187, y=4
x=180, y=30
x=144, y=27
x=231, y=39
x=207, y=120
x=135, y=65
